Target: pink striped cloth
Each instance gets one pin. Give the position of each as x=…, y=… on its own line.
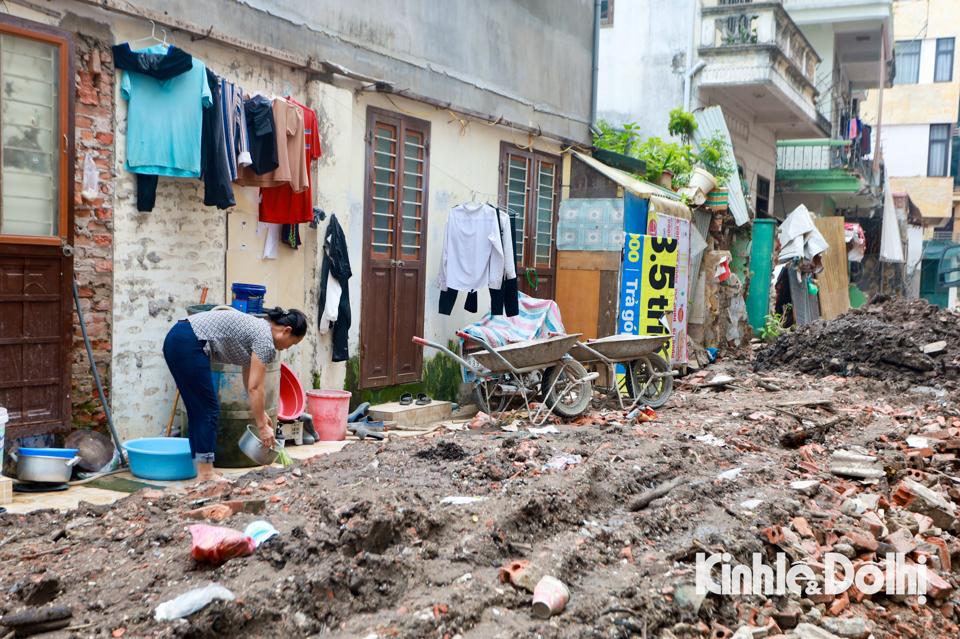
x=537, y=319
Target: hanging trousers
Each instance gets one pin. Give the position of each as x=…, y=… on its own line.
x=146, y=192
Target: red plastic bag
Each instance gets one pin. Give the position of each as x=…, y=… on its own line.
x=216, y=544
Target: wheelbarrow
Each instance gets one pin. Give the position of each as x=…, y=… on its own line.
x=529, y=370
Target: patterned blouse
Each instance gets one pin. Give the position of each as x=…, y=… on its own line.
x=232, y=337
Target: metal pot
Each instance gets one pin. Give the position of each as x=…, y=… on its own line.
x=56, y=470
x=253, y=448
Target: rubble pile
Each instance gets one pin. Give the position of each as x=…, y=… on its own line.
x=898, y=502
x=584, y=529
x=890, y=338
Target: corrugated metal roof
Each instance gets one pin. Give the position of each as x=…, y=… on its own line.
x=710, y=121
x=661, y=200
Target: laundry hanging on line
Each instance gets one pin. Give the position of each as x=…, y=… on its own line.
x=477, y=253
x=334, y=304
x=185, y=121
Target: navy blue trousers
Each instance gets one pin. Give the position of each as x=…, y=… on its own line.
x=190, y=368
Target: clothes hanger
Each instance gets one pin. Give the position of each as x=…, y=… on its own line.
x=153, y=35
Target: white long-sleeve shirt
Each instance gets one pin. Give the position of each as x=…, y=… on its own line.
x=477, y=251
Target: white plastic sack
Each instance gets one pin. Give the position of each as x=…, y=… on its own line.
x=737, y=312
x=91, y=179
x=799, y=237
x=914, y=248
x=191, y=601
x=891, y=242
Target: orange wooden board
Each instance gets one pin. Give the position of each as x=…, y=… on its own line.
x=578, y=294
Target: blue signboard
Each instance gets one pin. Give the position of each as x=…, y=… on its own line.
x=635, y=210
x=631, y=276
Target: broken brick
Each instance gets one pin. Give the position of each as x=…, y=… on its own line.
x=902, y=541
x=788, y=618
x=861, y=540
x=802, y=527
x=774, y=534
x=942, y=552
x=720, y=632
x=873, y=523
x=840, y=604
x=937, y=586
x=918, y=498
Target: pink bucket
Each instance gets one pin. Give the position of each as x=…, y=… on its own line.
x=329, y=409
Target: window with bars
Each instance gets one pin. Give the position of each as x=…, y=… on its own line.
x=399, y=174
x=938, y=158
x=530, y=191
x=29, y=137
x=943, y=68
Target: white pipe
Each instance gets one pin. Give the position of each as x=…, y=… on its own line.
x=691, y=68
x=688, y=83
x=595, y=71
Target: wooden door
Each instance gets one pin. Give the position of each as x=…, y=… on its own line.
x=36, y=226
x=394, y=251
x=530, y=190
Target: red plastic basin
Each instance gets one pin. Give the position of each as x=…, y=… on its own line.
x=292, y=398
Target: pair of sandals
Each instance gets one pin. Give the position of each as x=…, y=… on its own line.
x=407, y=399
x=360, y=424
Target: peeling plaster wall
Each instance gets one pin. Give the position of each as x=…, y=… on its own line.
x=165, y=257
x=464, y=157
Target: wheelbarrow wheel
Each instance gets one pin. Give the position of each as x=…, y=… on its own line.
x=488, y=397
x=566, y=399
x=643, y=386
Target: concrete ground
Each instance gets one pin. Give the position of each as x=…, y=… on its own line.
x=71, y=498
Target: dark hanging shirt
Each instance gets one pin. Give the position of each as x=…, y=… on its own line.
x=161, y=66
x=337, y=263
x=261, y=134
x=214, y=163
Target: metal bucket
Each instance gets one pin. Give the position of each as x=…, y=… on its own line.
x=253, y=448
x=55, y=470
x=235, y=412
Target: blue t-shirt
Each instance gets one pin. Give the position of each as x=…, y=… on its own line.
x=165, y=119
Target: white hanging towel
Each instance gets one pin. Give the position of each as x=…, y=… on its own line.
x=272, y=241
x=331, y=309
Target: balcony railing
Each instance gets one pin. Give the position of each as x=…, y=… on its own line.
x=740, y=24
x=825, y=155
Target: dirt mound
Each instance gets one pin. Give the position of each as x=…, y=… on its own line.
x=447, y=451
x=884, y=340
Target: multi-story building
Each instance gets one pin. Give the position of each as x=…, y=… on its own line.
x=918, y=117
x=919, y=112
x=780, y=71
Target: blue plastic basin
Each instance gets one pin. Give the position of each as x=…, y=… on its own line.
x=163, y=458
x=66, y=453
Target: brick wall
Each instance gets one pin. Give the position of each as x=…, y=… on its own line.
x=93, y=264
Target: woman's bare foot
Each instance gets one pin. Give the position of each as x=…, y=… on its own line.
x=214, y=477
x=205, y=473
